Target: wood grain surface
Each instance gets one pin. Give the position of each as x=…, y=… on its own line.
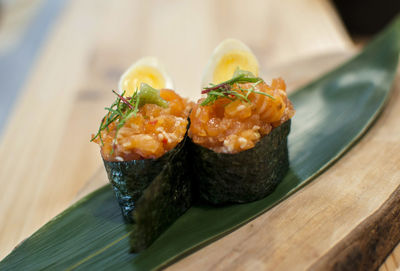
x=47, y=161
x=369, y=243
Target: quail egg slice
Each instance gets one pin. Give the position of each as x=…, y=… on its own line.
x=147, y=70
x=226, y=58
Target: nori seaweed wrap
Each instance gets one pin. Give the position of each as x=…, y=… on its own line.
x=143, y=145
x=129, y=179
x=245, y=176
x=239, y=139
x=167, y=197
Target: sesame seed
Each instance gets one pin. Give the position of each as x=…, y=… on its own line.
x=241, y=107
x=198, y=112
x=243, y=142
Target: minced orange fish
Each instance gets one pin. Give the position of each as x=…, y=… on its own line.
x=150, y=134
x=228, y=126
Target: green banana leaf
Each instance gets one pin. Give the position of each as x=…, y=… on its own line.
x=332, y=114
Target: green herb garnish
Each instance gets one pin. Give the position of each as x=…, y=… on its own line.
x=124, y=108
x=224, y=89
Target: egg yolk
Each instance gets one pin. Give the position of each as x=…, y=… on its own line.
x=142, y=74
x=228, y=63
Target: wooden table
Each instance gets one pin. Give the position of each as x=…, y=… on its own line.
x=47, y=162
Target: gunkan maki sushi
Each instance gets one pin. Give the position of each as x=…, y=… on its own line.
x=239, y=130
x=142, y=143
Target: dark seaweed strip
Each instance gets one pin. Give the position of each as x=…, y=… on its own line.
x=165, y=200
x=245, y=176
x=130, y=178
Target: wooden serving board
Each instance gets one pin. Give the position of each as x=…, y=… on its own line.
x=47, y=137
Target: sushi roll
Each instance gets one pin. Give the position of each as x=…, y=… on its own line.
x=142, y=143
x=239, y=131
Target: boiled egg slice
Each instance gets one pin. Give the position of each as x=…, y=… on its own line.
x=147, y=70
x=229, y=55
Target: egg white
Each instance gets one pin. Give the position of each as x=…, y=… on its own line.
x=151, y=62
x=222, y=49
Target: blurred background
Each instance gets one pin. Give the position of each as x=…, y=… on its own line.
x=26, y=24
x=59, y=60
